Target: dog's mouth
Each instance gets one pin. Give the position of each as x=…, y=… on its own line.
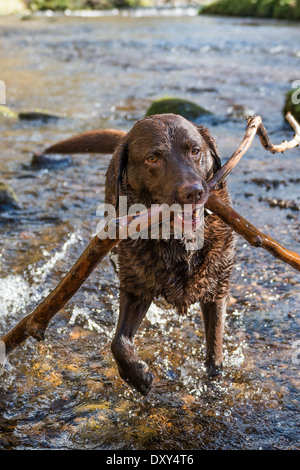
x=188, y=214
x=191, y=215
x=197, y=213
x=188, y=221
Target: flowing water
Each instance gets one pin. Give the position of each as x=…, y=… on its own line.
x=102, y=72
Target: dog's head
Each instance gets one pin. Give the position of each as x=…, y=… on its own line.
x=167, y=159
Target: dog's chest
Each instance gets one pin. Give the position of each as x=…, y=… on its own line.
x=161, y=268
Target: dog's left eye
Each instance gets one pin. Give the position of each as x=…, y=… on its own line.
x=152, y=159
x=195, y=151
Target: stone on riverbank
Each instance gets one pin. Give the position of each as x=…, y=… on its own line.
x=183, y=107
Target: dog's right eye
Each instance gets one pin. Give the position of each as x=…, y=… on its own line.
x=152, y=159
x=195, y=151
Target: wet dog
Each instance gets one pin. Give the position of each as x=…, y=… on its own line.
x=165, y=159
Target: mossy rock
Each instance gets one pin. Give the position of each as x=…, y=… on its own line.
x=292, y=103
x=8, y=198
x=6, y=112
x=185, y=108
x=38, y=115
x=279, y=9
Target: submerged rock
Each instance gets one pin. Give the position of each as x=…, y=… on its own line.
x=8, y=198
x=292, y=103
x=38, y=115
x=187, y=109
x=50, y=161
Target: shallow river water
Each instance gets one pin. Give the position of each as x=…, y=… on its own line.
x=104, y=72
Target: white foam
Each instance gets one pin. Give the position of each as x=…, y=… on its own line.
x=17, y=292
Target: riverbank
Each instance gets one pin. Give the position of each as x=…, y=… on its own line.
x=29, y=6
x=12, y=6
x=277, y=9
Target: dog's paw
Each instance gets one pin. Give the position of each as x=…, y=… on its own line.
x=137, y=375
x=132, y=369
x=213, y=370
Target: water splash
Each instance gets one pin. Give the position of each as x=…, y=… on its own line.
x=17, y=292
x=89, y=323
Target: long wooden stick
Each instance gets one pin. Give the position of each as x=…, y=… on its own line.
x=255, y=126
x=240, y=225
x=285, y=145
x=251, y=130
x=254, y=236
x=36, y=322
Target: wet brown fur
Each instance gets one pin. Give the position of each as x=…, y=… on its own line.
x=152, y=268
x=98, y=141
x=165, y=267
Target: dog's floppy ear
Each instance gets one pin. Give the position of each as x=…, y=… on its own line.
x=123, y=161
x=210, y=142
x=212, y=146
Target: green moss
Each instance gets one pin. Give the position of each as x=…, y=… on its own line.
x=8, y=198
x=5, y=111
x=61, y=5
x=280, y=9
x=291, y=105
x=185, y=108
x=230, y=8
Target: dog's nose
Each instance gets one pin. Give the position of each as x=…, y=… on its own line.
x=192, y=193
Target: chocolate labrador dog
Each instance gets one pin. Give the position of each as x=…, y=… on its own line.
x=166, y=159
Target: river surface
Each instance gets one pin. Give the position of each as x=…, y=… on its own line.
x=103, y=72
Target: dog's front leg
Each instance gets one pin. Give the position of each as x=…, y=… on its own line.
x=214, y=316
x=131, y=368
